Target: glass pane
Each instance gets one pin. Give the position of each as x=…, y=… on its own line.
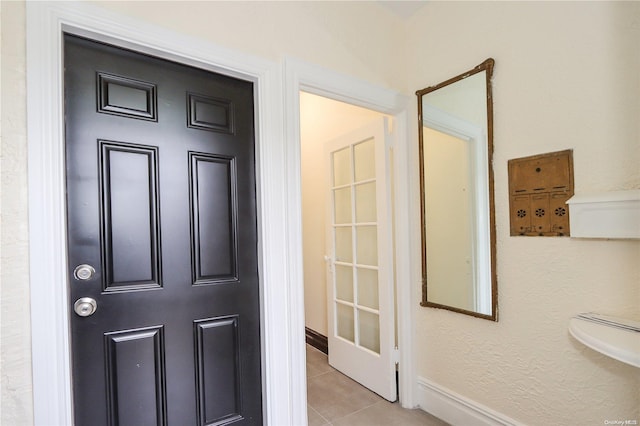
x=344, y=283
x=365, y=160
x=368, y=288
x=367, y=245
x=344, y=320
x=341, y=167
x=342, y=205
x=344, y=251
x=369, y=330
x=366, y=202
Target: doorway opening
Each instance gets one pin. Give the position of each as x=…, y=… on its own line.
x=330, y=130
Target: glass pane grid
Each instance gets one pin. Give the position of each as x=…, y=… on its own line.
x=368, y=330
x=364, y=160
x=363, y=266
x=366, y=309
x=355, y=280
x=343, y=205
x=342, y=166
x=343, y=244
x=366, y=245
x=344, y=283
x=363, y=181
x=365, y=202
x=347, y=185
x=345, y=321
x=367, y=288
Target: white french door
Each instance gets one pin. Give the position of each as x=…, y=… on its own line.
x=360, y=246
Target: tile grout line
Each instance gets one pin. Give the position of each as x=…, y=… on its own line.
x=326, y=421
x=357, y=414
x=357, y=411
x=318, y=375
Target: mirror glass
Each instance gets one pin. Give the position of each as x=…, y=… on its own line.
x=456, y=194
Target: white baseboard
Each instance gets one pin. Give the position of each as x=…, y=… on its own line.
x=457, y=409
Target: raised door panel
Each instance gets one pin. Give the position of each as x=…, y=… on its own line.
x=213, y=218
x=136, y=377
x=217, y=370
x=130, y=216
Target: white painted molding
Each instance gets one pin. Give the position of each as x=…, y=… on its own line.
x=614, y=214
x=456, y=409
x=300, y=75
x=341, y=87
x=284, y=370
x=404, y=259
x=49, y=306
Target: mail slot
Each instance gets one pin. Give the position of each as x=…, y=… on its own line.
x=539, y=187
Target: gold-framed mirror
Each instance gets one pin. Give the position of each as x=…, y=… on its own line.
x=455, y=131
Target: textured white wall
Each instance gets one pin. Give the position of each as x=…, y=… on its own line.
x=567, y=75
x=15, y=336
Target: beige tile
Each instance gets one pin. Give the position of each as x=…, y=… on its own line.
x=336, y=400
x=385, y=413
x=334, y=395
x=316, y=362
x=314, y=418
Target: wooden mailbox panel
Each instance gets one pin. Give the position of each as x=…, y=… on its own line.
x=539, y=187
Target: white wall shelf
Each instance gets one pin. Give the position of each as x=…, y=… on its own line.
x=605, y=215
x=613, y=341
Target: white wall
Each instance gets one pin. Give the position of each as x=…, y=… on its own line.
x=321, y=120
x=15, y=341
x=567, y=75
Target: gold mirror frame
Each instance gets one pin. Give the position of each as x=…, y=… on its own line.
x=486, y=66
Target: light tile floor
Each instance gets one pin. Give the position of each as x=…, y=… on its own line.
x=333, y=399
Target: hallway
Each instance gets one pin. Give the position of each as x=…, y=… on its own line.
x=333, y=399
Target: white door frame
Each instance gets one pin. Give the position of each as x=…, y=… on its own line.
x=284, y=400
x=314, y=79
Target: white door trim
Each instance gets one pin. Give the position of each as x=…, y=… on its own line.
x=300, y=75
x=283, y=372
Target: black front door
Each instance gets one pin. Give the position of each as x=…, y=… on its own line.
x=162, y=237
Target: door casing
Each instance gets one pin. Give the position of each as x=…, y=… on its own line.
x=278, y=190
x=302, y=76
x=46, y=23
